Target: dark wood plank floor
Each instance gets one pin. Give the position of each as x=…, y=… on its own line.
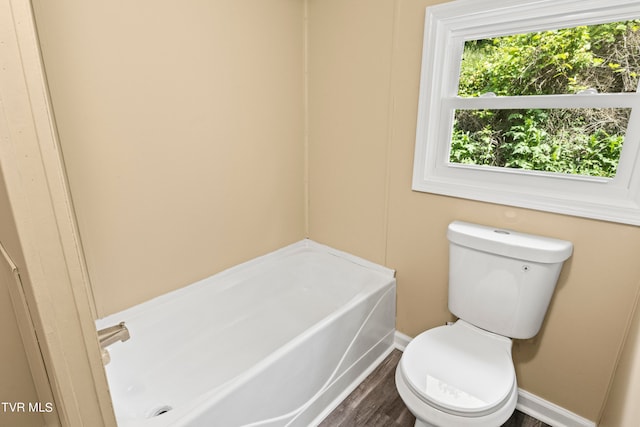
x=376, y=403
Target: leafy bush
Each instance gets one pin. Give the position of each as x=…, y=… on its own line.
x=581, y=141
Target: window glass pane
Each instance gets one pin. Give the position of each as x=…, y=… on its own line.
x=605, y=57
x=578, y=141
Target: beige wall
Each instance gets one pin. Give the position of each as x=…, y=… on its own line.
x=181, y=125
x=348, y=82
x=17, y=384
x=622, y=407
x=363, y=90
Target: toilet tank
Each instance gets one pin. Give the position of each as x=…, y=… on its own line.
x=501, y=280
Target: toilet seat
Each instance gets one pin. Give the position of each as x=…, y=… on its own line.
x=460, y=369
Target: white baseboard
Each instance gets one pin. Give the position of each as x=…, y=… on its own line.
x=528, y=403
x=548, y=412
x=401, y=340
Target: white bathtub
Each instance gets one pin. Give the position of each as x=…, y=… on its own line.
x=276, y=341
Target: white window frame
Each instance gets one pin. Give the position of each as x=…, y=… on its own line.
x=447, y=27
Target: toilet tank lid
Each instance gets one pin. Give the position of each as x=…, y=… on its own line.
x=509, y=243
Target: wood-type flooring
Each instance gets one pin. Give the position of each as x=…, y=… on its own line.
x=376, y=403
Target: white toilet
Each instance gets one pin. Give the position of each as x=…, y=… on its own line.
x=500, y=285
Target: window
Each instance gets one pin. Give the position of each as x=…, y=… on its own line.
x=533, y=104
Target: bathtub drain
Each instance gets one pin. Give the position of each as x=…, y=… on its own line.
x=161, y=410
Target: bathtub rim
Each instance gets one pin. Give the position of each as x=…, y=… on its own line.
x=245, y=266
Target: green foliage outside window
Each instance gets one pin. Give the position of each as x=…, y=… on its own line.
x=584, y=141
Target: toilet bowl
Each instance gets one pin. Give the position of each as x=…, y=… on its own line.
x=500, y=286
x=458, y=376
